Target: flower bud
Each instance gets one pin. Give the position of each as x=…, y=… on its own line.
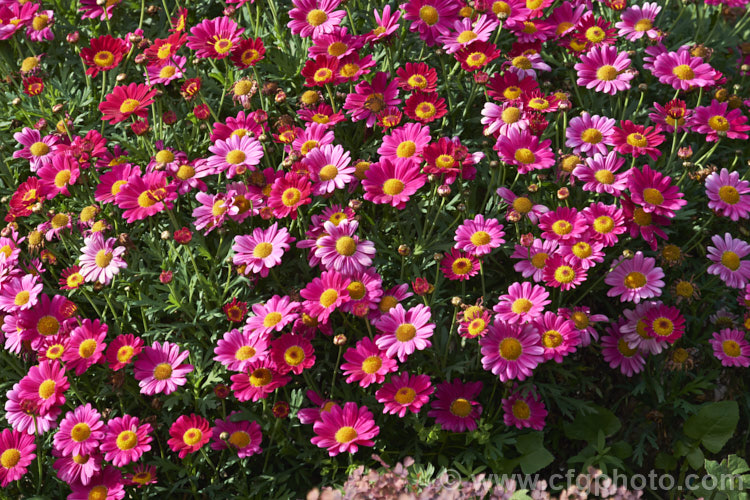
x=166, y=277
x=404, y=250
x=201, y=111
x=444, y=190
x=563, y=193
x=456, y=302
x=280, y=409
x=221, y=391
x=339, y=339
x=527, y=239
x=72, y=37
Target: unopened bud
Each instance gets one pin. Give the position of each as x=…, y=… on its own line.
x=456, y=301
x=339, y=339
x=404, y=250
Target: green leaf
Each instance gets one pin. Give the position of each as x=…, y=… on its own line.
x=586, y=427
x=534, y=456
x=714, y=424
x=521, y=495
x=665, y=461
x=695, y=458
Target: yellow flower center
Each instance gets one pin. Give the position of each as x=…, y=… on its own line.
x=87, y=348
x=634, y=280
x=445, y=161
x=392, y=187
x=243, y=87
x=521, y=410
x=718, y=123
x=730, y=260
x=167, y=71
x=501, y=7
x=604, y=176
x=80, y=432
x=522, y=205
x=356, y=290
x=405, y=332
x=164, y=51
x=218, y=208
x=316, y=17
x=291, y=197
x=476, y=59
x=514, y=92
x=222, y=45
x=103, y=258
x=146, y=200
x=372, y=364
x=329, y=297
x=643, y=25
x=323, y=74
x=47, y=389
x=580, y=319
x=524, y=155
x=39, y=149
x=671, y=253
x=124, y=353
x=582, y=250
x=272, y=319
x=429, y=15
x=565, y=274
x=637, y=140
x=328, y=172
x=337, y=48
x=510, y=349
x=460, y=407
x=239, y=439
x=662, y=326
x=562, y=227
x=10, y=458
x=684, y=289
x=417, y=81
x=511, y=115
x=104, y=58
x=480, y=238
x=345, y=434
x=729, y=195
x=606, y=73
x=294, y=355
x=461, y=266
x=162, y=371
x=320, y=118
x=261, y=377
x=641, y=217
x=244, y=352
x=595, y=34
x=466, y=36
x=192, y=436
x=426, y=110
x=591, y=136
x=127, y=440
x=346, y=246
x=521, y=62
x=117, y=187
x=129, y=105
x=406, y=149
x=22, y=298
x=387, y=303
x=98, y=493
x=521, y=306
x=235, y=157
x=625, y=349
x=477, y=326
x=81, y=459
x=730, y=348
x=683, y=72
x=563, y=27
x=539, y=260
x=405, y=395
x=551, y=339
x=539, y=104
x=653, y=196
x=40, y=22
x=262, y=250
x=62, y=178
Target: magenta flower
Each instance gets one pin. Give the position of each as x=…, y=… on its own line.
x=80, y=433
x=589, y=134
x=235, y=155
x=344, y=429
x=405, y=393
x=292, y=353
x=160, y=370
x=312, y=18
x=682, y=71
x=244, y=437
x=731, y=347
x=523, y=303
x=238, y=349
x=262, y=250
x=726, y=255
x=455, y=407
x=392, y=183
x=325, y=294
x=17, y=452
x=86, y=346
x=257, y=381
x=524, y=412
x=728, y=194
x=342, y=250
x=654, y=192
x=100, y=260
x=511, y=351
x=405, y=331
x=558, y=336
x=619, y=354
x=126, y=440
x=214, y=38
x=716, y=120
x=599, y=174
x=272, y=316
x=21, y=293
x=525, y=151
x=479, y=236
x=367, y=363
x=635, y=279
x=604, y=70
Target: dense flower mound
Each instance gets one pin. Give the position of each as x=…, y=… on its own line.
x=251, y=245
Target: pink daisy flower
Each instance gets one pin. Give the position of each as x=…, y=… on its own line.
x=563, y=225
x=24, y=414
x=37, y=149
x=17, y=452
x=654, y=192
x=365, y=289
x=325, y=294
x=387, y=24
x=107, y=484
x=235, y=155
x=343, y=430
x=57, y=175
x=292, y=353
x=583, y=321
x=682, y=71
x=244, y=436
x=369, y=99
x=731, y=347
x=214, y=38
x=716, y=120
x=617, y=352
x=604, y=70
x=635, y=279
x=459, y=265
x=45, y=385
x=262, y=250
x=664, y=323
x=367, y=363
x=726, y=255
x=142, y=475
x=589, y=134
x=100, y=260
x=523, y=303
x=455, y=407
x=20, y=294
x=511, y=351
x=637, y=21
x=159, y=369
x=173, y=69
x=257, y=381
x=188, y=434
x=526, y=412
x=405, y=331
x=533, y=258
x=466, y=31
x=80, y=431
x=340, y=249
x=526, y=65
x=112, y=182
x=405, y=143
x=272, y=316
x=525, y=151
x=479, y=236
x=122, y=350
x=78, y=468
x=313, y=18
x=635, y=329
x=671, y=117
x=405, y=393
x=86, y=347
x=637, y=140
x=563, y=271
x=522, y=205
x=392, y=183
x=430, y=18
x=330, y=168
x=238, y=349
x=126, y=440
x=145, y=196
x=728, y=194
x=499, y=120
x=558, y=336
x=585, y=253
x=311, y=137
x=288, y=193
x=599, y=174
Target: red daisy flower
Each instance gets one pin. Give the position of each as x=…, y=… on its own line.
x=424, y=107
x=103, y=54
x=637, y=140
x=125, y=101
